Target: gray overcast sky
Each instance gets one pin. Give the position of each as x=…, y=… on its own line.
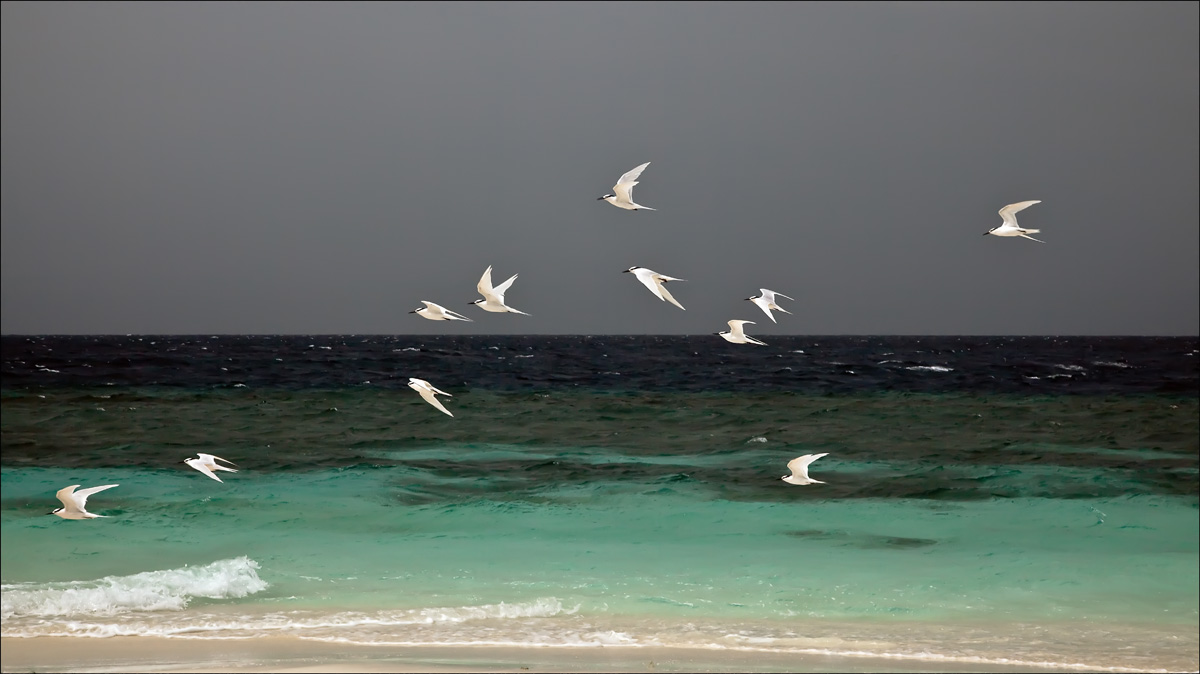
x=321, y=167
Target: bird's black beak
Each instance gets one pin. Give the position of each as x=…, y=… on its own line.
x=599, y=198
x=413, y=311
x=624, y=271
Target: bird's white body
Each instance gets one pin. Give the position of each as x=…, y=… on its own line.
x=737, y=334
x=493, y=297
x=622, y=194
x=654, y=281
x=799, y=468
x=428, y=392
x=1009, y=226
x=766, y=301
x=436, y=312
x=207, y=463
x=75, y=502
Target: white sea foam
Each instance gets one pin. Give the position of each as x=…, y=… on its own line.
x=563, y=639
x=526, y=628
x=167, y=590
x=929, y=368
x=310, y=624
x=546, y=622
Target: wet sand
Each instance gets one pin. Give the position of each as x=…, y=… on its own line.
x=157, y=654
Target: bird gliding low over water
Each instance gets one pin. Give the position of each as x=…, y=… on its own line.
x=75, y=502
x=428, y=392
x=737, y=335
x=207, y=463
x=799, y=468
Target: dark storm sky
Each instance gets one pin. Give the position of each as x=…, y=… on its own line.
x=320, y=168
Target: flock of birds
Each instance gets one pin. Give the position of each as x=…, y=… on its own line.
x=75, y=502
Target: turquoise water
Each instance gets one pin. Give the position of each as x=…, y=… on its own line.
x=440, y=543
x=973, y=527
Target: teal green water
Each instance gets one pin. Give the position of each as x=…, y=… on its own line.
x=1053, y=531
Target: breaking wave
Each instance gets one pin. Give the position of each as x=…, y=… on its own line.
x=167, y=590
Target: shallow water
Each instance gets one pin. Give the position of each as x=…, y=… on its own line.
x=1006, y=515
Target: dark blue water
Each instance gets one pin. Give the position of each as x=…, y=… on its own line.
x=1021, y=365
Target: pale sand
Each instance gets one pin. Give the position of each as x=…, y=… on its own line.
x=157, y=654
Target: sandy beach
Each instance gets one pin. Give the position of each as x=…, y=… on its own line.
x=156, y=654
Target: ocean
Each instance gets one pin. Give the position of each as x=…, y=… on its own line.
x=987, y=501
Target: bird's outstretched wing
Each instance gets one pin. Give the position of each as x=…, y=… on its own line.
x=735, y=326
x=1009, y=212
x=764, y=304
x=624, y=187
x=65, y=495
x=503, y=287
x=199, y=465
x=666, y=294
x=428, y=395
x=799, y=465
x=485, y=283
x=631, y=176
x=648, y=279
x=209, y=458
x=83, y=494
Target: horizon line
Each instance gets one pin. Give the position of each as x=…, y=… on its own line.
x=573, y=334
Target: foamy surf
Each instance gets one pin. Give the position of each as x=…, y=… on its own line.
x=367, y=625
x=583, y=632
x=166, y=590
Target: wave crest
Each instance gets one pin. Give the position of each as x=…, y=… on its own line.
x=166, y=590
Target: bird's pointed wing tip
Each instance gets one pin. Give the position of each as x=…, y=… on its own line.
x=92, y=490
